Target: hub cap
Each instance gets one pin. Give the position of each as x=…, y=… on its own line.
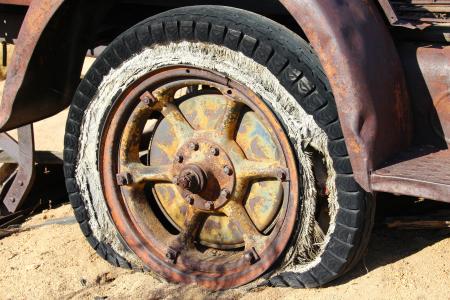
x=202, y=185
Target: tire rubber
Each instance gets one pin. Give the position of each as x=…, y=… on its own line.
x=297, y=68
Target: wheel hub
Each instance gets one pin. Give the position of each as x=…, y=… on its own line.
x=206, y=176
x=217, y=200
x=191, y=179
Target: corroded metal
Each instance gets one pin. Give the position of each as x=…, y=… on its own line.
x=421, y=172
x=216, y=192
x=427, y=71
x=38, y=17
x=417, y=13
x=22, y=152
x=355, y=47
x=196, y=154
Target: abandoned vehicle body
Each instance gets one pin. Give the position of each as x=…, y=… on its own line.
x=237, y=144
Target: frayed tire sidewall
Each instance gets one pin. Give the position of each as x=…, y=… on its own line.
x=297, y=69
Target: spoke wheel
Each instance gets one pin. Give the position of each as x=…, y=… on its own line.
x=199, y=177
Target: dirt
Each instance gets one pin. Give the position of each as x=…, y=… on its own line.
x=54, y=261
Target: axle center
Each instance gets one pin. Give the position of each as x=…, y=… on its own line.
x=192, y=178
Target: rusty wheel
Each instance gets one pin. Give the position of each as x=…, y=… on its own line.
x=214, y=199
x=208, y=149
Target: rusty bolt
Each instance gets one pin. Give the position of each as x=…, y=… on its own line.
x=124, y=179
x=209, y=205
x=225, y=194
x=148, y=99
x=171, y=255
x=250, y=257
x=194, y=146
x=282, y=175
x=179, y=158
x=227, y=170
x=190, y=199
x=214, y=151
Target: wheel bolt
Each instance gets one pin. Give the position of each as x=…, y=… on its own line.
x=179, y=158
x=123, y=179
x=282, y=175
x=209, y=205
x=227, y=170
x=190, y=199
x=194, y=146
x=250, y=257
x=225, y=194
x=148, y=99
x=214, y=151
x=172, y=255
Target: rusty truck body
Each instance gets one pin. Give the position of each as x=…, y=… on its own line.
x=386, y=64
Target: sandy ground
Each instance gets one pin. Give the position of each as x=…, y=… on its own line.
x=53, y=261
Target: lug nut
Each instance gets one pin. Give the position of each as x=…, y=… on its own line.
x=179, y=158
x=282, y=175
x=171, y=255
x=190, y=199
x=209, y=205
x=250, y=257
x=123, y=179
x=225, y=194
x=148, y=99
x=194, y=146
x=227, y=170
x=214, y=151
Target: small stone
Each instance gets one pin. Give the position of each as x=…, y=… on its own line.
x=83, y=282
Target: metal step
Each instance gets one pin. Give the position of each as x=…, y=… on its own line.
x=421, y=172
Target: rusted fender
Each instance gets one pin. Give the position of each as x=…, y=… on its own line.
x=38, y=16
x=366, y=76
x=49, y=54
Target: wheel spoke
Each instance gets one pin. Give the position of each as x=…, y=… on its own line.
x=192, y=224
x=251, y=170
x=141, y=173
x=239, y=216
x=131, y=137
x=229, y=123
x=177, y=121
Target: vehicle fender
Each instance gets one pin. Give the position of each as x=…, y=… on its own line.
x=364, y=69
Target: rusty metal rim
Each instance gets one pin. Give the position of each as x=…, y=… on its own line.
x=150, y=251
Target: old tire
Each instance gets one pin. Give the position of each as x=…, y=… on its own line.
x=280, y=68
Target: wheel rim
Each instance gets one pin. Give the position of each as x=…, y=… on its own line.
x=217, y=200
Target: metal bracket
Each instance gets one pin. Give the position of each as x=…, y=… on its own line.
x=22, y=151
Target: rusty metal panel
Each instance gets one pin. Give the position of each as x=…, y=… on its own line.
x=48, y=59
x=16, y=2
x=366, y=76
x=417, y=13
x=427, y=70
x=421, y=172
x=36, y=20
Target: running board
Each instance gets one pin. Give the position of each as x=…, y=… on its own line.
x=423, y=172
